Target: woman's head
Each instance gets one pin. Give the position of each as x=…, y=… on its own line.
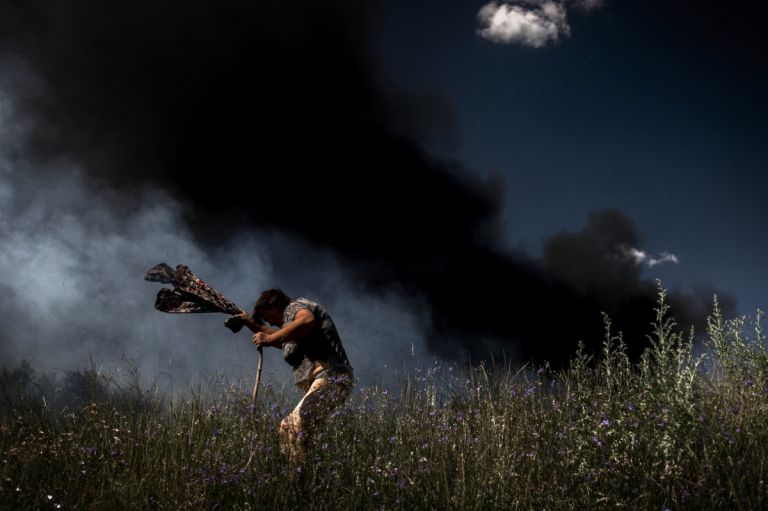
x=270, y=306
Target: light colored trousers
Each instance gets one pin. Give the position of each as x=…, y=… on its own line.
x=324, y=395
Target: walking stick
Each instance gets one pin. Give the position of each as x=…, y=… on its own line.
x=258, y=376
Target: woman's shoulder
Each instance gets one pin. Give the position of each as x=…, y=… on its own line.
x=296, y=305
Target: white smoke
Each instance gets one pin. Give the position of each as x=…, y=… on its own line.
x=72, y=258
x=639, y=257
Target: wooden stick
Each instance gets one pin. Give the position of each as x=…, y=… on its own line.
x=258, y=377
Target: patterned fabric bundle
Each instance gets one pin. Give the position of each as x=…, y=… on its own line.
x=190, y=294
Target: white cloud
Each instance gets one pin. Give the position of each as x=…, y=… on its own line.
x=664, y=257
x=532, y=23
x=638, y=257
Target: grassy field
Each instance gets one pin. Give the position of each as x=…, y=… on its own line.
x=673, y=431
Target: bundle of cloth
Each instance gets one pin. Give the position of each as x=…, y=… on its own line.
x=190, y=294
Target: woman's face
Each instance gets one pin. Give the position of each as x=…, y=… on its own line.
x=274, y=316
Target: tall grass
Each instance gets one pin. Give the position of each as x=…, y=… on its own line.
x=672, y=431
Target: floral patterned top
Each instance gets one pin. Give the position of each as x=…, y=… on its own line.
x=321, y=344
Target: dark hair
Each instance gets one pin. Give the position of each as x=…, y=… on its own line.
x=269, y=299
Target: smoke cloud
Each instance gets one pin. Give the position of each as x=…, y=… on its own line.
x=254, y=141
x=71, y=271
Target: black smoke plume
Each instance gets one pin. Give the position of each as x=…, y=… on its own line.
x=273, y=115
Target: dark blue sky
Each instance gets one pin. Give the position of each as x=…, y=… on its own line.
x=657, y=110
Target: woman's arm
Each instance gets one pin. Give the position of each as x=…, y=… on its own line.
x=302, y=324
x=253, y=326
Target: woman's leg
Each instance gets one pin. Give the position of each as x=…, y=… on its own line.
x=323, y=396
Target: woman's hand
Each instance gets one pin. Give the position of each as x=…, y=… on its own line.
x=260, y=339
x=248, y=321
